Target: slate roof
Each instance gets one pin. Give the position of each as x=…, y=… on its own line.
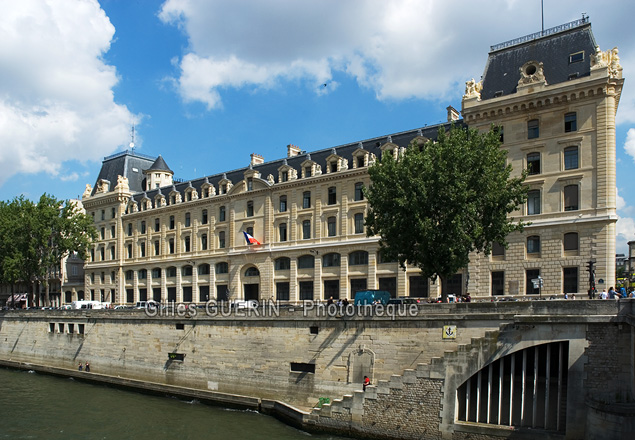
x=502, y=70
x=401, y=139
x=159, y=165
x=127, y=164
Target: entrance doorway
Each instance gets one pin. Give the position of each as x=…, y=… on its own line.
x=251, y=291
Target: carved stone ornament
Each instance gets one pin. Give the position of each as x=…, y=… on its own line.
x=162, y=200
x=135, y=207
x=610, y=59
x=122, y=184
x=473, y=89
x=102, y=186
x=372, y=159
x=318, y=169
x=531, y=72
x=293, y=174
x=87, y=191
x=194, y=194
x=270, y=179
x=212, y=191
x=344, y=165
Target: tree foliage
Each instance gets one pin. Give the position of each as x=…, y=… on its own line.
x=34, y=237
x=444, y=199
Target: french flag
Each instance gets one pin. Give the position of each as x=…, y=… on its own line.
x=250, y=239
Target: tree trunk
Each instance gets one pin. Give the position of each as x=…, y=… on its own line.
x=444, y=294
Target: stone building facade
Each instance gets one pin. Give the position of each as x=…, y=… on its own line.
x=554, y=95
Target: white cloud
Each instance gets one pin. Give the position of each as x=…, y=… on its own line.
x=629, y=144
x=625, y=232
x=620, y=203
x=56, y=98
x=398, y=48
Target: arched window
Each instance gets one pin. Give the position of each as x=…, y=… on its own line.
x=129, y=274
x=186, y=271
x=282, y=263
x=252, y=272
x=203, y=269
x=170, y=272
x=156, y=272
x=331, y=260
x=222, y=267
x=306, y=262
x=570, y=241
x=358, y=258
x=143, y=274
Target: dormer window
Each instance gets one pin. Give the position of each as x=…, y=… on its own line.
x=284, y=176
x=333, y=167
x=360, y=161
x=576, y=57
x=307, y=171
x=250, y=184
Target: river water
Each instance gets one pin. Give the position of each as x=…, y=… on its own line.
x=35, y=406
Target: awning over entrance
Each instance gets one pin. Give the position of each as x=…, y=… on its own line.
x=17, y=298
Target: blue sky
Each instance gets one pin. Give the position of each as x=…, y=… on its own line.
x=208, y=82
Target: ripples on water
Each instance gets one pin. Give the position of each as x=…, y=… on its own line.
x=36, y=406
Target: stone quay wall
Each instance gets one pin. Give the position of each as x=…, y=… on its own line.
x=295, y=357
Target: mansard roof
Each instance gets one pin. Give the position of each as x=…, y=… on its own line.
x=551, y=47
x=127, y=164
x=159, y=165
x=373, y=145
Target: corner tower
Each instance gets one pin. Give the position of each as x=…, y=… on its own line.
x=555, y=95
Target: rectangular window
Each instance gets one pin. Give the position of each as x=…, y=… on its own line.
x=359, y=193
x=283, y=203
x=284, y=176
x=187, y=294
x=331, y=289
x=360, y=161
x=331, y=226
x=358, y=284
x=576, y=57
x=221, y=214
x=306, y=200
x=112, y=231
x=187, y=244
x=418, y=286
x=204, y=242
x=571, y=198
x=570, y=122
x=143, y=227
x=498, y=283
x=359, y=223
x=171, y=245
x=171, y=222
x=306, y=290
x=250, y=184
x=571, y=158
x=533, y=163
x=188, y=220
x=332, y=196
x=282, y=291
x=570, y=241
x=221, y=239
x=142, y=249
x=283, y=231
x=250, y=209
x=204, y=217
x=307, y=171
x=156, y=247
x=102, y=233
x=531, y=274
x=301, y=367
x=570, y=279
x=157, y=225
x=129, y=229
x=533, y=129
x=533, y=244
x=129, y=250
x=306, y=229
x=533, y=202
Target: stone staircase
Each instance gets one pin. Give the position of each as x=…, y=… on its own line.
x=352, y=405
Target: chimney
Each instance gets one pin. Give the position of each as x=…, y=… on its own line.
x=453, y=114
x=256, y=159
x=293, y=150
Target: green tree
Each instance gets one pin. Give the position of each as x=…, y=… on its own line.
x=36, y=237
x=443, y=199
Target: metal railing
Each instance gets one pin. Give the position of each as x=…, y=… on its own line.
x=554, y=30
x=124, y=152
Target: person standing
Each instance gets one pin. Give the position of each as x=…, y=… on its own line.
x=80, y=367
x=87, y=367
x=366, y=382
